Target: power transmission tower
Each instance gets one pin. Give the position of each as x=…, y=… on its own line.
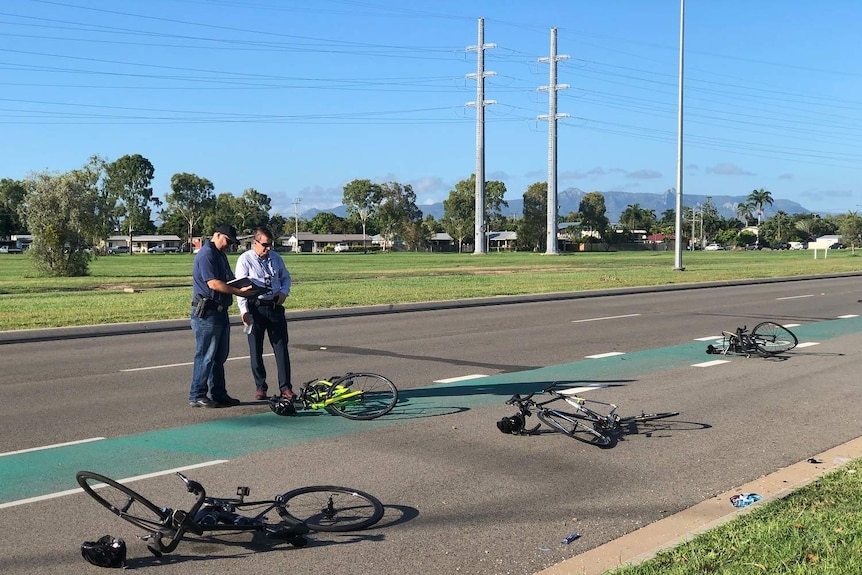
x=552, y=118
x=480, y=104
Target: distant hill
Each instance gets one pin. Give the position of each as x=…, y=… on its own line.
x=615, y=202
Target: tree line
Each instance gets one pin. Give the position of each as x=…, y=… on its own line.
x=69, y=213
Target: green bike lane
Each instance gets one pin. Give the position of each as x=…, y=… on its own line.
x=49, y=471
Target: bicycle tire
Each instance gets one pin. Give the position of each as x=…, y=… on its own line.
x=119, y=500
x=332, y=508
x=771, y=338
x=577, y=430
x=379, y=395
x=646, y=417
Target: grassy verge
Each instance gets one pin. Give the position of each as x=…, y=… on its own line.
x=157, y=286
x=815, y=530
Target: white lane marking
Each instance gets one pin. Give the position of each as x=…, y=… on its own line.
x=51, y=446
x=708, y=338
x=791, y=324
x=577, y=390
x=461, y=378
x=794, y=297
x=601, y=355
x=100, y=485
x=848, y=316
x=606, y=317
x=711, y=363
x=807, y=344
x=167, y=365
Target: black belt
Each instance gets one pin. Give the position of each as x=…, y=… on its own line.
x=265, y=302
x=211, y=305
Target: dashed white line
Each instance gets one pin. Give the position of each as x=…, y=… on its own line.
x=168, y=365
x=602, y=355
x=794, y=297
x=31, y=449
x=606, y=317
x=848, y=316
x=807, y=344
x=711, y=363
x=461, y=378
x=100, y=485
x=708, y=338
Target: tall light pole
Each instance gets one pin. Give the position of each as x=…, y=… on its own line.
x=296, y=220
x=677, y=265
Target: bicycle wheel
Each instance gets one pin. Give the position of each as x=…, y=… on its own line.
x=331, y=508
x=576, y=428
x=771, y=338
x=362, y=396
x=645, y=417
x=123, y=502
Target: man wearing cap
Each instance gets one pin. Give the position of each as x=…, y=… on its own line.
x=210, y=320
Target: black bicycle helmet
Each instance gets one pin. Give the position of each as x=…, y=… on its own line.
x=282, y=405
x=513, y=425
x=107, y=551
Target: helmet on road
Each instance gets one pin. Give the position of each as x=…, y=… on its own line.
x=513, y=425
x=282, y=405
x=107, y=551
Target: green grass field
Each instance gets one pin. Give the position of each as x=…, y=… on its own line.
x=151, y=287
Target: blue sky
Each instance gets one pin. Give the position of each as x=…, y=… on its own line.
x=297, y=98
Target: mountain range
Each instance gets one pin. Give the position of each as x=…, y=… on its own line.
x=569, y=201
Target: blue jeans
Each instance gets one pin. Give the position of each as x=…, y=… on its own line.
x=212, y=346
x=269, y=321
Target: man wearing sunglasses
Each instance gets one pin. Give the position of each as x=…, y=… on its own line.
x=264, y=314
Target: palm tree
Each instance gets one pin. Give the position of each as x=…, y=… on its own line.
x=744, y=211
x=758, y=198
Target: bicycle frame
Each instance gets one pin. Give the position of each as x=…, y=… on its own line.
x=604, y=425
x=312, y=398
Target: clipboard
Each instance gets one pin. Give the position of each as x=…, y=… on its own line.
x=243, y=282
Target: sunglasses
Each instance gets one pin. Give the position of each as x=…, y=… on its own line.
x=264, y=244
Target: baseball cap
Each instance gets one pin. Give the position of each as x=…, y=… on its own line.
x=228, y=231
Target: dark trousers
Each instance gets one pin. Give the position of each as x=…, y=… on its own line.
x=269, y=321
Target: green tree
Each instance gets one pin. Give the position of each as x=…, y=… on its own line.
x=278, y=224
x=128, y=181
x=11, y=196
x=745, y=212
x=850, y=228
x=254, y=207
x=759, y=198
x=362, y=199
x=459, y=209
x=634, y=217
x=327, y=223
x=66, y=213
x=191, y=197
x=533, y=225
x=397, y=212
x=592, y=209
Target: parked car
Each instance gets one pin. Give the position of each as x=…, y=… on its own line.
x=798, y=245
x=163, y=249
x=781, y=246
x=713, y=247
x=9, y=250
x=118, y=250
x=342, y=247
x=837, y=246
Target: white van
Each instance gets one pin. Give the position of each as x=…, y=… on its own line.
x=342, y=247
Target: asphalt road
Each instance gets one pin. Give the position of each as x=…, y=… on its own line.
x=461, y=497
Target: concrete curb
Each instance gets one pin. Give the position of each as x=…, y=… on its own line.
x=50, y=334
x=645, y=543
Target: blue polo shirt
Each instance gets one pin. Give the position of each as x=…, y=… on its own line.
x=211, y=264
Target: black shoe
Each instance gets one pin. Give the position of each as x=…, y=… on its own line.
x=204, y=402
x=227, y=401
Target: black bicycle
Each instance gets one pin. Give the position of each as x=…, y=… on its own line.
x=766, y=339
x=583, y=424
x=287, y=517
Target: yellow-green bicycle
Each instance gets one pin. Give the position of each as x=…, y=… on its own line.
x=354, y=395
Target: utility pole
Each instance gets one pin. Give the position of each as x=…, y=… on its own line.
x=677, y=266
x=296, y=220
x=480, y=104
x=552, y=117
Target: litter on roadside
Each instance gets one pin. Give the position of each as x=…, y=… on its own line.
x=570, y=538
x=744, y=499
